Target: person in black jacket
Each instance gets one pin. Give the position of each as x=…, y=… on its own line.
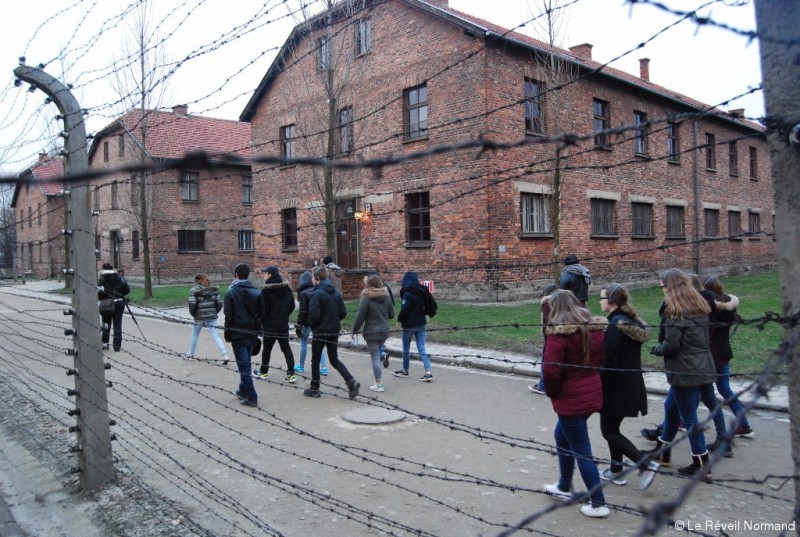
x=326, y=310
x=624, y=393
x=720, y=320
x=115, y=287
x=277, y=304
x=412, y=319
x=576, y=278
x=305, y=286
x=242, y=307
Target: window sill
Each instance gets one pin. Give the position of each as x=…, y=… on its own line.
x=675, y=237
x=534, y=134
x=528, y=235
x=190, y=202
x=286, y=166
x=754, y=178
x=712, y=170
x=754, y=238
x=738, y=239
x=409, y=140
x=290, y=249
x=603, y=237
x=734, y=174
x=418, y=244
x=247, y=203
x=643, y=237
x=183, y=252
x=674, y=162
x=603, y=148
x=642, y=156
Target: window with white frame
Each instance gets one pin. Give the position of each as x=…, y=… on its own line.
x=190, y=186
x=535, y=213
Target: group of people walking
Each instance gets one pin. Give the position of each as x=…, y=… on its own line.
x=593, y=364
x=590, y=364
x=253, y=314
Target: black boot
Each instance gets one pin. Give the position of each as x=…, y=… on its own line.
x=353, y=385
x=663, y=458
x=699, y=466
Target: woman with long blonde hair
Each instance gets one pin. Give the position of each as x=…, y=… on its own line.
x=688, y=364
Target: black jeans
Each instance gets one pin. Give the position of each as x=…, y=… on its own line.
x=115, y=319
x=286, y=349
x=331, y=343
x=618, y=443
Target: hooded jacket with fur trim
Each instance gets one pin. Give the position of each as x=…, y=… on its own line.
x=574, y=386
x=720, y=320
x=277, y=302
x=374, y=312
x=624, y=392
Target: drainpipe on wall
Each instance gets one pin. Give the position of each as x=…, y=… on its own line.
x=696, y=173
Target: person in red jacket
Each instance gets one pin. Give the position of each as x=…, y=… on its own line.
x=571, y=368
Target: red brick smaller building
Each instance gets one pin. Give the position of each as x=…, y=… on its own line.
x=197, y=214
x=39, y=218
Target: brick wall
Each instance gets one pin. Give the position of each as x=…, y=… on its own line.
x=477, y=252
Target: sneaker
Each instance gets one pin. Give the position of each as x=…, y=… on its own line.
x=377, y=388
x=299, y=369
x=239, y=394
x=324, y=371
x=402, y=373
x=248, y=402
x=105, y=346
x=225, y=359
x=385, y=359
x=535, y=389
x=681, y=426
x=262, y=374
x=614, y=477
x=311, y=392
x=354, y=385
x=652, y=434
x=647, y=475
x=555, y=492
x=744, y=431
x=186, y=356
x=291, y=379
x=427, y=377
x=601, y=511
x=715, y=446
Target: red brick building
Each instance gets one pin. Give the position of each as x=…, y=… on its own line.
x=199, y=216
x=39, y=212
x=649, y=179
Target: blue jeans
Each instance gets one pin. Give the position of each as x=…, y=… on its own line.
x=724, y=389
x=242, y=355
x=682, y=405
x=305, y=332
x=374, y=347
x=211, y=324
x=709, y=398
x=418, y=333
x=572, y=442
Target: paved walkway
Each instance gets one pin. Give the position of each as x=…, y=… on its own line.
x=499, y=361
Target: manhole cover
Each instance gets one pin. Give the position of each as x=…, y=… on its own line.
x=374, y=416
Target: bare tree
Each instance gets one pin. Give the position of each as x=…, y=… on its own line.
x=8, y=231
x=141, y=84
x=551, y=20
x=331, y=133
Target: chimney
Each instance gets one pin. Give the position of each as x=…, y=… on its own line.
x=583, y=51
x=180, y=110
x=738, y=113
x=644, y=69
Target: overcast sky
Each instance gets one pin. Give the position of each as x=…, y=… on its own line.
x=83, y=38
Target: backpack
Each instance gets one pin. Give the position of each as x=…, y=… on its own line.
x=430, y=303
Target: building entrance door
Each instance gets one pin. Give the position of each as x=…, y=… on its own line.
x=347, y=234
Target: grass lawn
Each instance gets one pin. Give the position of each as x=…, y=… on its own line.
x=514, y=327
